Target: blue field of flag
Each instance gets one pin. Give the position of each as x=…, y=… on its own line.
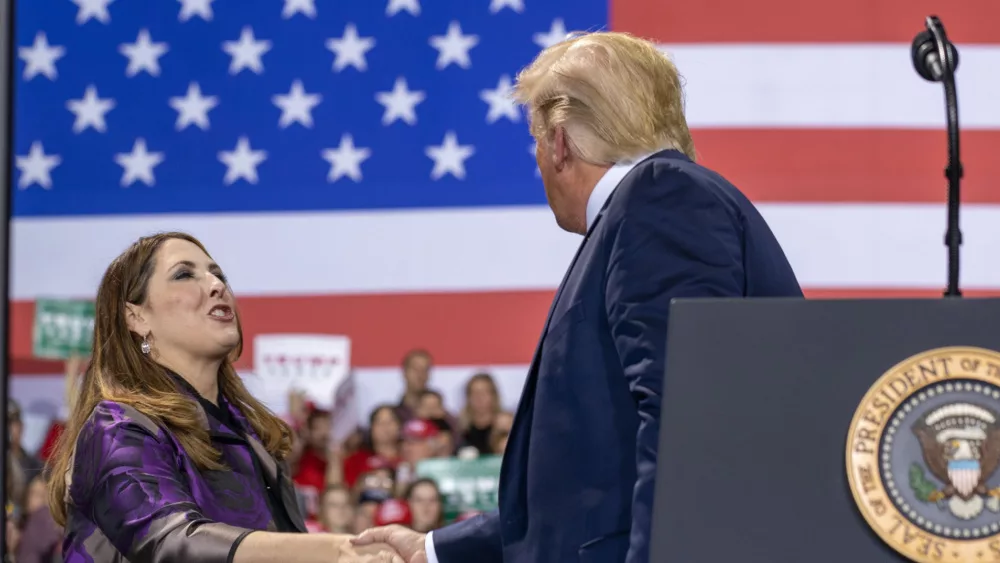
x=162, y=106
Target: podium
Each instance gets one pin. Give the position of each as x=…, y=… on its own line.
x=830, y=431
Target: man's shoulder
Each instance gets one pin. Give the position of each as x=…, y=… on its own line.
x=667, y=177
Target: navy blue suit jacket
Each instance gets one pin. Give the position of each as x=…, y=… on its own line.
x=579, y=469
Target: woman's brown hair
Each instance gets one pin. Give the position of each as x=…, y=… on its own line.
x=120, y=372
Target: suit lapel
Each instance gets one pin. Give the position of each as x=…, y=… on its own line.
x=562, y=285
x=513, y=492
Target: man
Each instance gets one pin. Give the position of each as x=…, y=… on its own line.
x=416, y=373
x=420, y=442
x=616, y=159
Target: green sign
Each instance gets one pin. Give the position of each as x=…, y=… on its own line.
x=465, y=484
x=63, y=328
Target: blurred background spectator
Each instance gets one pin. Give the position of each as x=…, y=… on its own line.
x=374, y=475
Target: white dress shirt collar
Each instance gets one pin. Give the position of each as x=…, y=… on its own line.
x=606, y=186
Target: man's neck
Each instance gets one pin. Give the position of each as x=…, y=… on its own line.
x=412, y=398
x=604, y=181
x=588, y=178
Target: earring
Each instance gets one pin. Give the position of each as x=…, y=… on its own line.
x=144, y=346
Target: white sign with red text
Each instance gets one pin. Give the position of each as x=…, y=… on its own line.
x=313, y=363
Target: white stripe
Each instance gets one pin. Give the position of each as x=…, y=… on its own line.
x=884, y=245
x=829, y=245
x=291, y=253
x=849, y=85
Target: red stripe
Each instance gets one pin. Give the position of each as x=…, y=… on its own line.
x=850, y=165
x=459, y=329
x=740, y=21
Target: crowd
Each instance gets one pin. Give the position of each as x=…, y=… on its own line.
x=368, y=479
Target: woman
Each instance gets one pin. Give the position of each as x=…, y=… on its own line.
x=166, y=458
x=336, y=509
x=482, y=404
x=426, y=508
x=381, y=448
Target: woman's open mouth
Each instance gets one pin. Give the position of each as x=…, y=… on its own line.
x=222, y=313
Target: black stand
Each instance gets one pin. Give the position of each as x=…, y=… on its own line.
x=798, y=430
x=935, y=59
x=7, y=81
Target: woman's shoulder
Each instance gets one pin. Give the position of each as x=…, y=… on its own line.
x=113, y=417
x=115, y=437
x=117, y=447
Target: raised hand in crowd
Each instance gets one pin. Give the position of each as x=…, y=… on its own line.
x=335, y=462
x=298, y=407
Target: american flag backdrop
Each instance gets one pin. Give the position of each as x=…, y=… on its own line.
x=356, y=168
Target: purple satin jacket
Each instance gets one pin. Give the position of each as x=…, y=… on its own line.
x=134, y=495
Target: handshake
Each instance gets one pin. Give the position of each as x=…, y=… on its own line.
x=387, y=544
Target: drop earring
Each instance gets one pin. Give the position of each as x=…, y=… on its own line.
x=145, y=345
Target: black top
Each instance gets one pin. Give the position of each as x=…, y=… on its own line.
x=479, y=438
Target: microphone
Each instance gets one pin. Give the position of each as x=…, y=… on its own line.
x=927, y=54
x=935, y=59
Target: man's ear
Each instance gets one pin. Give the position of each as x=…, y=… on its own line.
x=135, y=319
x=560, y=148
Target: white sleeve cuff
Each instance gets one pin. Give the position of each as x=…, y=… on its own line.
x=429, y=548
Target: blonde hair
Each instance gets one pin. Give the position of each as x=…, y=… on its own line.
x=616, y=96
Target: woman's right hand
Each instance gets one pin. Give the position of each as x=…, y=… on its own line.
x=269, y=547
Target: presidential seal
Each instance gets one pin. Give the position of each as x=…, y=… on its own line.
x=923, y=451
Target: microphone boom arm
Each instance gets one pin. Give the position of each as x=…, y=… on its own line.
x=936, y=60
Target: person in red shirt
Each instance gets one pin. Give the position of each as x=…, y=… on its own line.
x=381, y=447
x=56, y=428
x=309, y=471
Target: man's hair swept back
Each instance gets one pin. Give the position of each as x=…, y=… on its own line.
x=617, y=96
